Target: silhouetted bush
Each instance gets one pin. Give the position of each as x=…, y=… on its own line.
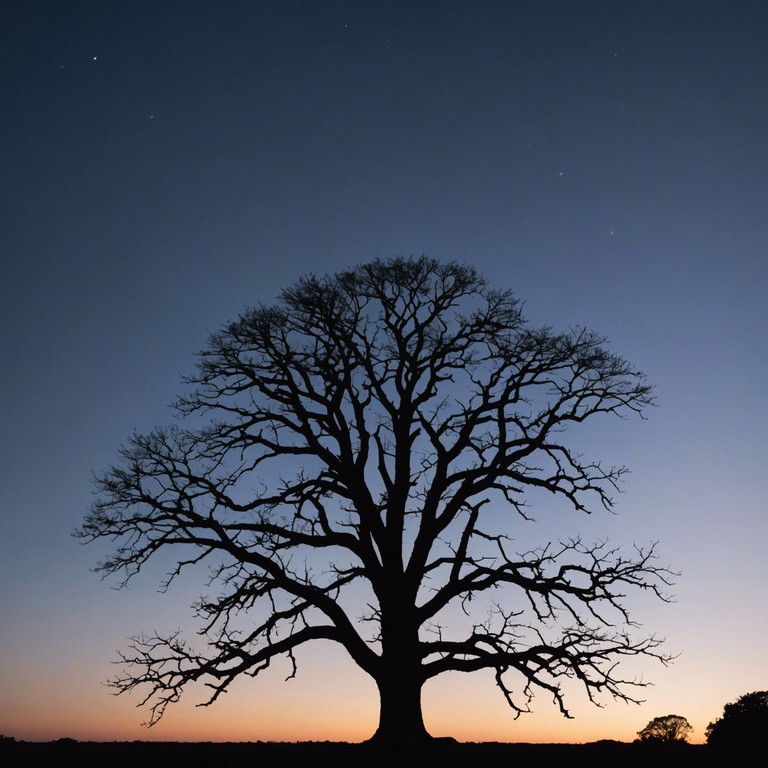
x=743, y=728
x=666, y=729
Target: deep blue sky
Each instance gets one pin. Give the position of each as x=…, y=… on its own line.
x=166, y=163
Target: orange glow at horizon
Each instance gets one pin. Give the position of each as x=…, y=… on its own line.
x=334, y=701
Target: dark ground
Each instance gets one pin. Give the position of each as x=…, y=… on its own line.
x=319, y=754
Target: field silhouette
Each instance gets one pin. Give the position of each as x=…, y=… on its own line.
x=445, y=754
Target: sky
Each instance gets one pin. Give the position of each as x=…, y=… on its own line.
x=166, y=164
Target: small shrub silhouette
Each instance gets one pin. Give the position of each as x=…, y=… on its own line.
x=667, y=730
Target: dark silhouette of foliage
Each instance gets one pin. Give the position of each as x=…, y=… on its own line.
x=669, y=728
x=349, y=464
x=743, y=726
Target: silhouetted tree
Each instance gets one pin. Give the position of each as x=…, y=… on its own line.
x=346, y=464
x=668, y=728
x=743, y=726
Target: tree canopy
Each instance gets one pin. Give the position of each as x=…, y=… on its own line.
x=744, y=724
x=350, y=463
x=669, y=728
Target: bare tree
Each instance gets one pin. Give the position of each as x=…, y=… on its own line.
x=382, y=429
x=669, y=728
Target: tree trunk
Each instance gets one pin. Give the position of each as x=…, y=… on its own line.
x=400, y=720
x=399, y=677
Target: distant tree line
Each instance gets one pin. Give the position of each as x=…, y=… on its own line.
x=743, y=728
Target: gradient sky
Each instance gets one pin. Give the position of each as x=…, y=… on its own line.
x=165, y=164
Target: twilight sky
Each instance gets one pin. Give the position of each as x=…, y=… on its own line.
x=165, y=164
